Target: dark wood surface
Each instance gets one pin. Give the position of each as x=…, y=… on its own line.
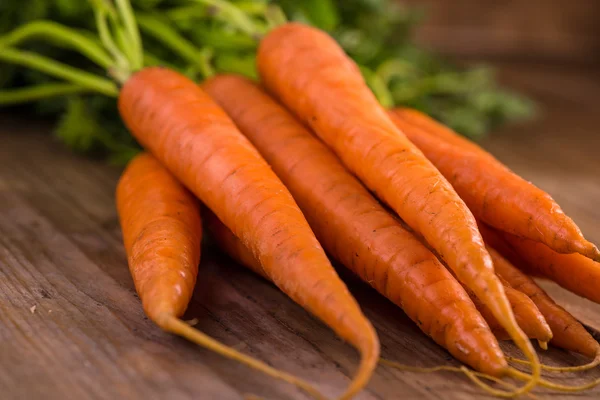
x=87, y=337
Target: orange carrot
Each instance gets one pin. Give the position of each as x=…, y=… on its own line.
x=496, y=195
x=355, y=229
x=528, y=316
x=574, y=272
x=198, y=143
x=162, y=231
x=311, y=75
x=567, y=332
x=232, y=246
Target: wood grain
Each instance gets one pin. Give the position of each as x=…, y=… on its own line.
x=60, y=251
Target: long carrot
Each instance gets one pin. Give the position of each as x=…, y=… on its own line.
x=568, y=333
x=355, y=229
x=574, y=272
x=495, y=194
x=232, y=246
x=196, y=141
x=313, y=77
x=194, y=138
x=162, y=231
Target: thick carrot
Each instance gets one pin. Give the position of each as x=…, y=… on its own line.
x=162, y=231
x=495, y=194
x=567, y=332
x=574, y=272
x=312, y=76
x=194, y=138
x=355, y=229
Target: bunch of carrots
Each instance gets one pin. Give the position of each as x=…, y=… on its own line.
x=307, y=164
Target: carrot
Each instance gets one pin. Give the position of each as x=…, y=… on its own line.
x=162, y=231
x=311, y=75
x=196, y=141
x=354, y=228
x=573, y=272
x=526, y=312
x=495, y=194
x=194, y=138
x=568, y=333
x=232, y=246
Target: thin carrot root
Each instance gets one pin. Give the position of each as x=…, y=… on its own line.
x=178, y=327
x=367, y=365
x=593, y=364
x=543, y=344
x=472, y=375
x=554, y=386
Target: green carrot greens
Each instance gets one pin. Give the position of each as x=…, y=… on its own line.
x=203, y=37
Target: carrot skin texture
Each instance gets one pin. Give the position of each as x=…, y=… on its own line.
x=567, y=332
x=354, y=228
x=194, y=138
x=495, y=194
x=162, y=231
x=527, y=314
x=311, y=75
x=573, y=272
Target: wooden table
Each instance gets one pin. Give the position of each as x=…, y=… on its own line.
x=71, y=325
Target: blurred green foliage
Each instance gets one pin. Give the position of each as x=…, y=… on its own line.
x=377, y=34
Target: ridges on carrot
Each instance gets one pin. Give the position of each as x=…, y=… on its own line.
x=568, y=333
x=197, y=142
x=162, y=231
x=232, y=246
x=311, y=75
x=344, y=215
x=496, y=195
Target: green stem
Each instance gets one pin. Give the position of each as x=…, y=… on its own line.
x=38, y=92
x=231, y=14
x=130, y=25
x=61, y=35
x=252, y=7
x=120, y=69
x=186, y=13
x=206, y=68
x=162, y=32
x=60, y=70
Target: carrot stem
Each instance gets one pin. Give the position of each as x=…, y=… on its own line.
x=135, y=42
x=62, y=36
x=176, y=326
x=59, y=70
x=120, y=69
x=38, y=92
x=174, y=41
x=233, y=15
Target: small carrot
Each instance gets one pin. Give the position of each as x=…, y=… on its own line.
x=495, y=194
x=354, y=228
x=162, y=231
x=568, y=333
x=197, y=142
x=309, y=72
x=528, y=316
x=573, y=272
